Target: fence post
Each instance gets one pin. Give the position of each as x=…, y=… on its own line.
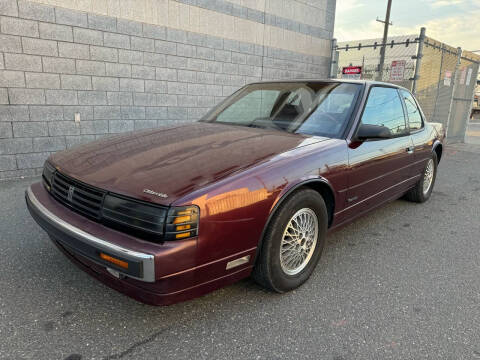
x=440, y=73
x=333, y=60
x=454, y=85
x=476, y=66
x=418, y=64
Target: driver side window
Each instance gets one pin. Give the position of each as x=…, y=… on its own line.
x=384, y=108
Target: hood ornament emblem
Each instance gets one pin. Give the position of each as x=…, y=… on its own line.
x=151, y=192
x=71, y=190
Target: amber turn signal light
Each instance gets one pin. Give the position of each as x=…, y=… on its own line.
x=182, y=227
x=182, y=219
x=182, y=222
x=111, y=259
x=182, y=235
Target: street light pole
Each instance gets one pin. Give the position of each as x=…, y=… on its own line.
x=384, y=43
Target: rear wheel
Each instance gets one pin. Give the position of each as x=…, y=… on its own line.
x=424, y=187
x=293, y=242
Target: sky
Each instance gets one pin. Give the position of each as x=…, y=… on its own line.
x=454, y=22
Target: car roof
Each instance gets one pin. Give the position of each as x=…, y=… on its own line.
x=348, y=81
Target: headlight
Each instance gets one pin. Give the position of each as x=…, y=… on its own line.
x=141, y=219
x=135, y=216
x=47, y=175
x=182, y=222
x=148, y=220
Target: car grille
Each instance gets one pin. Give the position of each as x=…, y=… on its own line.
x=78, y=196
x=143, y=220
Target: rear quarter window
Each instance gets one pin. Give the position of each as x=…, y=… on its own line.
x=415, y=120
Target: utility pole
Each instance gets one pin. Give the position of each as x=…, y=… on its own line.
x=384, y=42
x=418, y=64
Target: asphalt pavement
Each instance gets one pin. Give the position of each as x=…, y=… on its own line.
x=400, y=283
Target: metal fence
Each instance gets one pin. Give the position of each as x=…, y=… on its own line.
x=463, y=96
x=442, y=77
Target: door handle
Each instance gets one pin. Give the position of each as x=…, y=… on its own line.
x=410, y=149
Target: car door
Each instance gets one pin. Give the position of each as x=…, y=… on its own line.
x=420, y=137
x=379, y=168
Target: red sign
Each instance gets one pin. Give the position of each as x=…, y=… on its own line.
x=352, y=70
x=447, y=80
x=397, y=72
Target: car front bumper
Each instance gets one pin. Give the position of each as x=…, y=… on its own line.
x=141, y=266
x=158, y=274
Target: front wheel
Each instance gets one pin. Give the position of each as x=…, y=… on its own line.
x=293, y=242
x=424, y=187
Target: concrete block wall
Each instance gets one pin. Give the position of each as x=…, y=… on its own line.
x=118, y=69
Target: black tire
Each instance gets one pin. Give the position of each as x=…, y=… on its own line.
x=268, y=270
x=416, y=194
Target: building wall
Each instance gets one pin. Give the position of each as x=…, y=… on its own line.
x=121, y=65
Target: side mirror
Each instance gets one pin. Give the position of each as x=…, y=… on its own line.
x=367, y=131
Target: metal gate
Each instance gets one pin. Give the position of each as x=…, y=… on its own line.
x=462, y=100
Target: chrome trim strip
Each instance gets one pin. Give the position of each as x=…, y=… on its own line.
x=380, y=192
x=199, y=267
x=147, y=260
x=381, y=176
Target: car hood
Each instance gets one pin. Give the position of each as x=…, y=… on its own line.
x=173, y=160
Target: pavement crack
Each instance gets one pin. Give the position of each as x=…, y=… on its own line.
x=136, y=345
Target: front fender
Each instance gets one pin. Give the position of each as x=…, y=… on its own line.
x=314, y=182
x=292, y=186
x=438, y=148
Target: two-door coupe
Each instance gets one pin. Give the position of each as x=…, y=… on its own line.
x=254, y=187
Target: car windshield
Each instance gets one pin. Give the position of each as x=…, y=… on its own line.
x=311, y=108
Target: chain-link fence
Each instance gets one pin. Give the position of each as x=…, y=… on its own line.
x=442, y=77
x=462, y=104
x=434, y=87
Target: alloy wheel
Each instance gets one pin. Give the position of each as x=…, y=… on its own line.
x=299, y=241
x=428, y=176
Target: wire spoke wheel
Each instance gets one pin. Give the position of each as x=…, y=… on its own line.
x=299, y=241
x=293, y=242
x=428, y=176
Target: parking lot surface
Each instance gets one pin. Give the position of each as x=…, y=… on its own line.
x=400, y=283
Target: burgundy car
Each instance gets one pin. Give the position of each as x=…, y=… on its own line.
x=253, y=188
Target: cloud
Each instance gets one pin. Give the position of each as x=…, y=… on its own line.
x=370, y=30
x=459, y=30
x=442, y=3
x=348, y=5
